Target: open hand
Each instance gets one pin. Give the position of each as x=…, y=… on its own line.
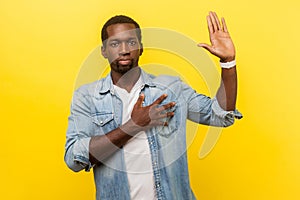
x=152, y=115
x=221, y=43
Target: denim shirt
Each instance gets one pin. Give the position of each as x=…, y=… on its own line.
x=97, y=110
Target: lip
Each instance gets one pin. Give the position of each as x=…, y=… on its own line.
x=124, y=61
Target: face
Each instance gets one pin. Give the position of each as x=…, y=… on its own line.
x=123, y=48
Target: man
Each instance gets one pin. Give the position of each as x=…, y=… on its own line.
x=130, y=126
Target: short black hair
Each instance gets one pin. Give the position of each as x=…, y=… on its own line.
x=119, y=19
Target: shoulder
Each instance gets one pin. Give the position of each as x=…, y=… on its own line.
x=89, y=89
x=86, y=88
x=94, y=88
x=168, y=84
x=166, y=79
x=161, y=81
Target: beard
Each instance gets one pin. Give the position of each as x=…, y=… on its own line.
x=123, y=69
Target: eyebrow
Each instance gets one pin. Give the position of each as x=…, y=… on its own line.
x=131, y=38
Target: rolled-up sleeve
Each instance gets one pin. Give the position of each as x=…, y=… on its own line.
x=204, y=110
x=78, y=134
x=221, y=116
x=77, y=155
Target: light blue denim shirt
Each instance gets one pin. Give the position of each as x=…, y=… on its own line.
x=96, y=110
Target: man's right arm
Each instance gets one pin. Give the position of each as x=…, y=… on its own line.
x=102, y=146
x=142, y=118
x=83, y=151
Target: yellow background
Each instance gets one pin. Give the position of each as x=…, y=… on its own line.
x=43, y=43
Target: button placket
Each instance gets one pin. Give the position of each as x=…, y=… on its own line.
x=156, y=172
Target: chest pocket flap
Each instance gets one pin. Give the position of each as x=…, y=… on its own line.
x=102, y=118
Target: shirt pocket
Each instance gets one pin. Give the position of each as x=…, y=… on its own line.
x=173, y=123
x=104, y=121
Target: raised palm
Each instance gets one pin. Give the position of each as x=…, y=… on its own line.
x=221, y=42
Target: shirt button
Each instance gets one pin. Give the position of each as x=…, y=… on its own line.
x=101, y=122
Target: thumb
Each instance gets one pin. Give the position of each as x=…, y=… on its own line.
x=205, y=46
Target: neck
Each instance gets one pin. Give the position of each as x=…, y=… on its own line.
x=127, y=80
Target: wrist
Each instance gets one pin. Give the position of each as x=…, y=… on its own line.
x=131, y=128
x=228, y=65
x=228, y=59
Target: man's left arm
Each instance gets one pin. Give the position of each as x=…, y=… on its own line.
x=223, y=47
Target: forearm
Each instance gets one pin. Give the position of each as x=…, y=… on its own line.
x=142, y=118
x=227, y=92
x=102, y=146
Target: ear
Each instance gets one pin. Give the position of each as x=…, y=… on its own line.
x=141, y=49
x=103, y=52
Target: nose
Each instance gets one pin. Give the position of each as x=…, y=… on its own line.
x=124, y=49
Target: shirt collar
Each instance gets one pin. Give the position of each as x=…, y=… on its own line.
x=106, y=85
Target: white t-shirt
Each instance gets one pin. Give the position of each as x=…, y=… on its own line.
x=136, y=151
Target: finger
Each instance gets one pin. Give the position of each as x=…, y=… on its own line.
x=166, y=106
x=224, y=25
x=209, y=25
x=160, y=99
x=217, y=20
x=162, y=116
x=213, y=21
x=159, y=123
x=140, y=100
x=158, y=113
x=206, y=46
x=168, y=114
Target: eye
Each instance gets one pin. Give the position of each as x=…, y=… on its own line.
x=131, y=42
x=114, y=44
